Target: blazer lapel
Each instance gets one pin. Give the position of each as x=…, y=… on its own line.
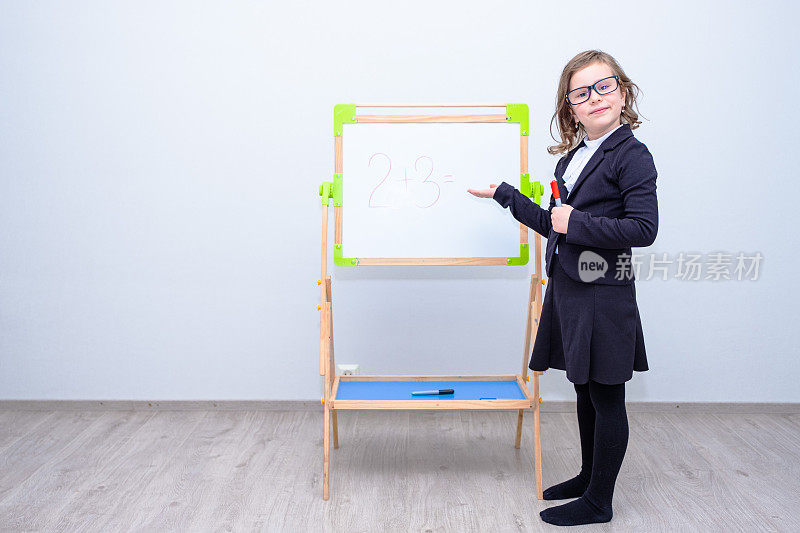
x=597, y=156
x=562, y=189
x=613, y=140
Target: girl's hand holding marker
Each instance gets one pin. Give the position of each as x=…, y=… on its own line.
x=559, y=216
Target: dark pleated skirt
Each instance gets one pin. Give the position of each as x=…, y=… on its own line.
x=589, y=330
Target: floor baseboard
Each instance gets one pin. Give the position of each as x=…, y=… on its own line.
x=310, y=405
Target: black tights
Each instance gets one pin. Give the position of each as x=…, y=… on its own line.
x=603, y=426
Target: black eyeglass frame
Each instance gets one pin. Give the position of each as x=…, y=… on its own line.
x=592, y=87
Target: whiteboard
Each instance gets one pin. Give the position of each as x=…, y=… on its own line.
x=404, y=190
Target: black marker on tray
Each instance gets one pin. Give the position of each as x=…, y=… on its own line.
x=437, y=391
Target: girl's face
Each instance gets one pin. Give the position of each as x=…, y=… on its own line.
x=600, y=113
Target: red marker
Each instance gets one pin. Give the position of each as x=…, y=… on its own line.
x=556, y=194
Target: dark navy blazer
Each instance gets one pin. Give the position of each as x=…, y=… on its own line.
x=614, y=208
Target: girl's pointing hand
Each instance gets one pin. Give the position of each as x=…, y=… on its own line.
x=484, y=193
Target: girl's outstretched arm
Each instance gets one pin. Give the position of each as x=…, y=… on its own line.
x=524, y=209
x=639, y=225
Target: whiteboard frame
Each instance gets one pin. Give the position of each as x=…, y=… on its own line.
x=348, y=113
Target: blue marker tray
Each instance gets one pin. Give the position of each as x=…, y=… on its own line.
x=394, y=392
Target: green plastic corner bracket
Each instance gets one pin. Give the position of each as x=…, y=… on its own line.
x=523, y=256
x=338, y=260
x=518, y=113
x=343, y=113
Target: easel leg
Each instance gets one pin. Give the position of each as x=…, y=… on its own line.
x=332, y=366
x=326, y=453
x=526, y=353
x=335, y=430
x=537, y=443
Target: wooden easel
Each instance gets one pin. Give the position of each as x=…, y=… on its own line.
x=327, y=367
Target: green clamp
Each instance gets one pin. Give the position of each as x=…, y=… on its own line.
x=518, y=113
x=325, y=191
x=523, y=256
x=533, y=190
x=332, y=190
x=342, y=113
x=336, y=193
x=525, y=184
x=537, y=190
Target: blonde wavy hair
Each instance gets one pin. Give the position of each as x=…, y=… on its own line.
x=572, y=133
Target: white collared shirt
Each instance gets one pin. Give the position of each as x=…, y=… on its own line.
x=579, y=160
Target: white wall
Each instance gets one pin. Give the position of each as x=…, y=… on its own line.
x=159, y=166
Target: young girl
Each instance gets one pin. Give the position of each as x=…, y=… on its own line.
x=590, y=325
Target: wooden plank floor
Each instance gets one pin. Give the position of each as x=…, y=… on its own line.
x=430, y=471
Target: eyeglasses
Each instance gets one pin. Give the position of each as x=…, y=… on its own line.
x=604, y=86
